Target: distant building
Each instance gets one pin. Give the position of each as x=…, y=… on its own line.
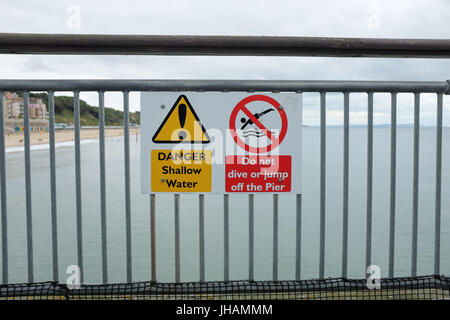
x=5, y=110
x=12, y=105
x=38, y=109
x=13, y=108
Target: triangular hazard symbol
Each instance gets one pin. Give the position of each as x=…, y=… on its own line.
x=181, y=125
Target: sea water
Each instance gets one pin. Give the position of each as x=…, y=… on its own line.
x=189, y=226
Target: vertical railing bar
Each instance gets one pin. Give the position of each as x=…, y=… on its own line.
x=126, y=144
x=201, y=213
x=54, y=217
x=393, y=184
x=369, y=179
x=78, y=183
x=153, y=235
x=29, y=217
x=251, y=236
x=437, y=224
x=275, y=238
x=101, y=120
x=415, y=210
x=226, y=238
x=177, y=237
x=3, y=193
x=322, y=182
x=298, y=240
x=345, y=185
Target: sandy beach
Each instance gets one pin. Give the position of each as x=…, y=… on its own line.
x=16, y=139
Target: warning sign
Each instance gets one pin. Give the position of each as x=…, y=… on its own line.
x=221, y=142
x=181, y=171
x=253, y=126
x=257, y=171
x=181, y=125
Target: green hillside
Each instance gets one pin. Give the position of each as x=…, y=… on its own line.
x=88, y=113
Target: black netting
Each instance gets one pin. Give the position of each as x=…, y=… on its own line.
x=417, y=288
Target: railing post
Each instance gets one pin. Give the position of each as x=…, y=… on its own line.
x=369, y=180
x=251, y=236
x=393, y=184
x=298, y=239
x=101, y=124
x=29, y=216
x=201, y=216
x=4, y=215
x=275, y=238
x=415, y=210
x=345, y=186
x=78, y=183
x=177, y=237
x=126, y=145
x=153, y=235
x=226, y=238
x=437, y=223
x=51, y=108
x=322, y=182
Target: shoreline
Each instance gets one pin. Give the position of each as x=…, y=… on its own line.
x=16, y=139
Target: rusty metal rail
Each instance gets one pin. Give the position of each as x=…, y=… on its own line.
x=25, y=43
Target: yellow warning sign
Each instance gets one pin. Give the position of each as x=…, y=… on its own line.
x=181, y=125
x=181, y=170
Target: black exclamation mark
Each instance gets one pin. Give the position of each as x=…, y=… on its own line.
x=182, y=117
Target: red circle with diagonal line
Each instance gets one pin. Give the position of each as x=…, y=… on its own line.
x=241, y=106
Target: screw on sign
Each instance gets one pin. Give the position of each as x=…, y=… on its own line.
x=254, y=118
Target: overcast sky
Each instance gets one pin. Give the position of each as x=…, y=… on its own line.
x=333, y=18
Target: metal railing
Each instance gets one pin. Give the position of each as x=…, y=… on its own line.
x=222, y=45
x=191, y=45
x=346, y=87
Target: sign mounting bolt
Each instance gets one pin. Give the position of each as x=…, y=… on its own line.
x=162, y=180
x=163, y=106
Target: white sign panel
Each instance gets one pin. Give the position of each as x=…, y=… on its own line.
x=221, y=142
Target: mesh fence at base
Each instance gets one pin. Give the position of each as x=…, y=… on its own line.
x=408, y=288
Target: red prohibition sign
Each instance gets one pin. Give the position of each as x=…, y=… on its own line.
x=241, y=106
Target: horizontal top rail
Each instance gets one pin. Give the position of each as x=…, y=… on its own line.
x=226, y=85
x=27, y=43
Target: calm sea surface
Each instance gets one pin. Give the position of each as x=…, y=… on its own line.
x=238, y=214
